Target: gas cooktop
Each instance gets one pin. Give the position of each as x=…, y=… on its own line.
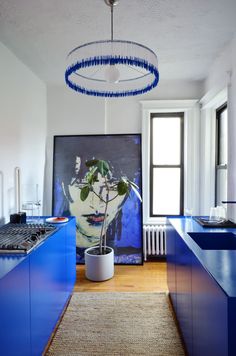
x=22, y=238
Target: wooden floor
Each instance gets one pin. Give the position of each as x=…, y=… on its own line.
x=151, y=277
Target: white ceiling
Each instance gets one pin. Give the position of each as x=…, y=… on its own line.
x=186, y=35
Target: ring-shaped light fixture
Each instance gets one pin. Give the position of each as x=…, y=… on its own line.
x=112, y=68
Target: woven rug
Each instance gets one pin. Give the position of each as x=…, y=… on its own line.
x=117, y=324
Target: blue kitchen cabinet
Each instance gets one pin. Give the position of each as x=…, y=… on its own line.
x=70, y=273
x=52, y=278
x=48, y=288
x=179, y=283
x=184, y=291
x=34, y=289
x=210, y=314
x=231, y=326
x=14, y=310
x=205, y=287
x=171, y=263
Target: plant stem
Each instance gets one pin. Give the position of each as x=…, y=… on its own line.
x=103, y=243
x=104, y=223
x=99, y=196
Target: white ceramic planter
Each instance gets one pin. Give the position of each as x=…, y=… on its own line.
x=99, y=267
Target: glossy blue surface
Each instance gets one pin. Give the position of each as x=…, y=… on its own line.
x=204, y=289
x=184, y=290
x=214, y=240
x=34, y=290
x=9, y=262
x=15, y=312
x=209, y=314
x=221, y=264
x=171, y=263
x=48, y=289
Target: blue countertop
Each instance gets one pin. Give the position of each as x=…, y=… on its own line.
x=220, y=264
x=9, y=261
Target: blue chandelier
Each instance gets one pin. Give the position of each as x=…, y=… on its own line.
x=112, y=68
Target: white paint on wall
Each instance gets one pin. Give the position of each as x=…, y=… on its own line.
x=232, y=133
x=207, y=145
x=222, y=77
x=124, y=115
x=23, y=127
x=26, y=114
x=69, y=113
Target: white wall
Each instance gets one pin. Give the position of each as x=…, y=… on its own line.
x=23, y=128
x=26, y=109
x=232, y=133
x=71, y=113
x=124, y=115
x=222, y=77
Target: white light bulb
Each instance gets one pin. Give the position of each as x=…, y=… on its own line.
x=112, y=74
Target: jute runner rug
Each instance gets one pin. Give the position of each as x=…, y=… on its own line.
x=117, y=324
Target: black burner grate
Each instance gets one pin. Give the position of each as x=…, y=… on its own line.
x=21, y=238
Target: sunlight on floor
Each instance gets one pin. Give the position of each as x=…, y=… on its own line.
x=151, y=277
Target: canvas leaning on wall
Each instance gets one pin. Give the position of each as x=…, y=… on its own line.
x=124, y=221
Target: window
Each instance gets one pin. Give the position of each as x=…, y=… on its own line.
x=221, y=154
x=160, y=166
x=166, y=164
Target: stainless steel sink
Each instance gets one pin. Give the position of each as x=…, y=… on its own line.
x=214, y=240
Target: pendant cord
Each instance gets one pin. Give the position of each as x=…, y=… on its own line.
x=112, y=22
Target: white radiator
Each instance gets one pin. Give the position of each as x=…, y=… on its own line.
x=154, y=240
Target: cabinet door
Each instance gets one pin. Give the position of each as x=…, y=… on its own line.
x=171, y=262
x=210, y=330
x=70, y=256
x=183, y=291
x=48, y=288
x=15, y=311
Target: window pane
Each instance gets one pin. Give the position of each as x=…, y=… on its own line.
x=221, y=189
x=166, y=140
x=223, y=154
x=166, y=191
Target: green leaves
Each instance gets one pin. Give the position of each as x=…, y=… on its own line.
x=133, y=186
x=91, y=175
x=100, y=165
x=84, y=192
x=122, y=188
x=95, y=166
x=103, y=167
x=125, y=185
x=91, y=163
x=136, y=192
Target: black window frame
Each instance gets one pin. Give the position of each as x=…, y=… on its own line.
x=181, y=165
x=218, y=166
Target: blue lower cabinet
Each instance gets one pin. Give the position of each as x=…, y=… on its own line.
x=205, y=312
x=171, y=262
x=231, y=326
x=70, y=257
x=48, y=289
x=34, y=290
x=15, y=312
x=210, y=314
x=184, y=292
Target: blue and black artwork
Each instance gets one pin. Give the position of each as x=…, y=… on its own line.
x=124, y=219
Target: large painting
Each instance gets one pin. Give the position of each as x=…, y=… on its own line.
x=124, y=228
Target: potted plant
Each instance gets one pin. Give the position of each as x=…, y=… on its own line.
x=99, y=260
